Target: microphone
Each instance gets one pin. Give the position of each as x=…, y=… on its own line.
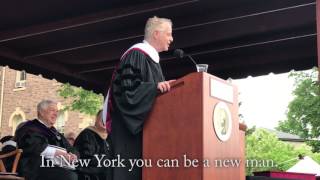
x=178, y=53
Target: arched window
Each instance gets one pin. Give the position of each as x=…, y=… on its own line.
x=16, y=120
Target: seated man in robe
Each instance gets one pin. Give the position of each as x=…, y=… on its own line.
x=94, y=141
x=46, y=152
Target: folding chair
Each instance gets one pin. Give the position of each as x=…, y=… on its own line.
x=11, y=175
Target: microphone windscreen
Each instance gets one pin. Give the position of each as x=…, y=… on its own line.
x=178, y=53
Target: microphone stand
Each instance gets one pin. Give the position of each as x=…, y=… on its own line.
x=194, y=62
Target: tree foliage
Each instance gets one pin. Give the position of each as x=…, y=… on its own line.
x=81, y=100
x=251, y=130
x=263, y=146
x=303, y=116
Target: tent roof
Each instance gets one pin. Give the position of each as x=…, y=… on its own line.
x=286, y=136
x=80, y=41
x=306, y=165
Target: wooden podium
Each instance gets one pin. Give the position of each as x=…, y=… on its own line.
x=184, y=126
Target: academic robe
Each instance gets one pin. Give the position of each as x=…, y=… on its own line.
x=133, y=92
x=33, y=138
x=90, y=143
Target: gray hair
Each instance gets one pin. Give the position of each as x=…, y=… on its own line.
x=154, y=24
x=44, y=105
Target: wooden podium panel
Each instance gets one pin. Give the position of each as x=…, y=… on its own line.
x=212, y=147
x=181, y=127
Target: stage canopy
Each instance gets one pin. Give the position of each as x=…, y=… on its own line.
x=306, y=165
x=80, y=41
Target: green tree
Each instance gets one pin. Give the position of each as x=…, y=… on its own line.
x=303, y=116
x=265, y=152
x=249, y=131
x=81, y=100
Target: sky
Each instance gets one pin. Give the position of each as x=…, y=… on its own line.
x=264, y=99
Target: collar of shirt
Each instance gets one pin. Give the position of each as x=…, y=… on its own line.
x=147, y=48
x=153, y=53
x=41, y=121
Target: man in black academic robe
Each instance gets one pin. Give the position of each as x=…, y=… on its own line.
x=39, y=141
x=135, y=85
x=93, y=144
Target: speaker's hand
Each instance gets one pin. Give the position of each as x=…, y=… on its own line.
x=165, y=86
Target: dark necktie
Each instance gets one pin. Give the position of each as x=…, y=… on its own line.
x=55, y=132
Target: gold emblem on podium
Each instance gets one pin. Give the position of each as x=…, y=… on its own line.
x=222, y=121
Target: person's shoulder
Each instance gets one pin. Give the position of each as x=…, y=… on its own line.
x=31, y=127
x=134, y=53
x=26, y=125
x=134, y=58
x=85, y=132
x=86, y=136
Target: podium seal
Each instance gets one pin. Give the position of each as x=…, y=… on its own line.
x=222, y=121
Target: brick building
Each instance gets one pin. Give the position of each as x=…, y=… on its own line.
x=20, y=93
